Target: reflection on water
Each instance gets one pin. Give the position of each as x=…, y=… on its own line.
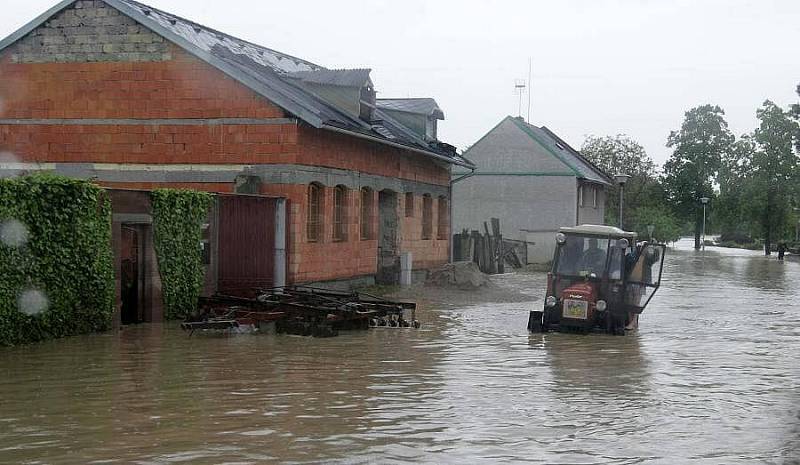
x=711, y=376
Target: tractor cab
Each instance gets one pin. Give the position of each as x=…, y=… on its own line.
x=601, y=279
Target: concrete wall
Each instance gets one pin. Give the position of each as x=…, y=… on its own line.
x=589, y=213
x=530, y=208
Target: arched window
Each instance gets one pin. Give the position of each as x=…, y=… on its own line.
x=316, y=207
x=443, y=214
x=340, y=213
x=427, y=216
x=367, y=213
x=409, y=204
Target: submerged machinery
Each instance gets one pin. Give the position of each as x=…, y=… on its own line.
x=301, y=310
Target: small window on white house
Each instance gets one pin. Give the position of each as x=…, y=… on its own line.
x=594, y=196
x=580, y=197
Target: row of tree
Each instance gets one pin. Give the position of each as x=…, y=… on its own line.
x=751, y=181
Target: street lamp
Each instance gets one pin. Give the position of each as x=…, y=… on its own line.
x=704, y=201
x=621, y=179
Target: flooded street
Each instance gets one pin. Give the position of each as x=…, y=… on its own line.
x=712, y=376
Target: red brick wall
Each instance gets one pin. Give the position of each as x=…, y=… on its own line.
x=183, y=87
x=147, y=144
x=327, y=259
x=326, y=148
x=424, y=253
x=186, y=87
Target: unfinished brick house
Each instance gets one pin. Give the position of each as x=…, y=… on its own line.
x=138, y=98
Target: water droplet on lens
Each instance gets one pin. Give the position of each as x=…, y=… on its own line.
x=7, y=162
x=13, y=233
x=32, y=302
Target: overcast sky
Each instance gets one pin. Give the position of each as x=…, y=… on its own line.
x=599, y=66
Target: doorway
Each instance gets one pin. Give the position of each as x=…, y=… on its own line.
x=388, y=247
x=246, y=245
x=131, y=275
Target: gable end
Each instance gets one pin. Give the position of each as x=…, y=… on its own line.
x=89, y=31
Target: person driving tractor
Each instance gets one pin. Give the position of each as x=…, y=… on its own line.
x=593, y=259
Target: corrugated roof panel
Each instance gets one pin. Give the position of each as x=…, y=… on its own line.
x=422, y=106
x=335, y=77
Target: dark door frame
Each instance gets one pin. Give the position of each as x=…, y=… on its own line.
x=140, y=235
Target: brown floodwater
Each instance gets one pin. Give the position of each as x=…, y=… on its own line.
x=712, y=376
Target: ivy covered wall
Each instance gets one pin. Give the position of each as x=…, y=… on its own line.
x=56, y=263
x=178, y=217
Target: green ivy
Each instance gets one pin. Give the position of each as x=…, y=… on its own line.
x=178, y=216
x=56, y=261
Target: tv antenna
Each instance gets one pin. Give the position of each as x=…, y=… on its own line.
x=530, y=87
x=519, y=88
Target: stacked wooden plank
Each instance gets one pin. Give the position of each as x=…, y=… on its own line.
x=488, y=250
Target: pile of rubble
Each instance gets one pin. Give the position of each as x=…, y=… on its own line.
x=460, y=275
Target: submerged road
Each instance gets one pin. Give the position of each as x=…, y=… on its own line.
x=712, y=376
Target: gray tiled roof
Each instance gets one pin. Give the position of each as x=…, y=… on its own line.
x=583, y=168
x=268, y=72
x=422, y=106
x=581, y=163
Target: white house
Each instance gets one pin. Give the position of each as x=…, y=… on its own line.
x=531, y=180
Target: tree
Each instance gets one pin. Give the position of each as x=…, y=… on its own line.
x=621, y=154
x=690, y=173
x=774, y=167
x=733, y=207
x=665, y=226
